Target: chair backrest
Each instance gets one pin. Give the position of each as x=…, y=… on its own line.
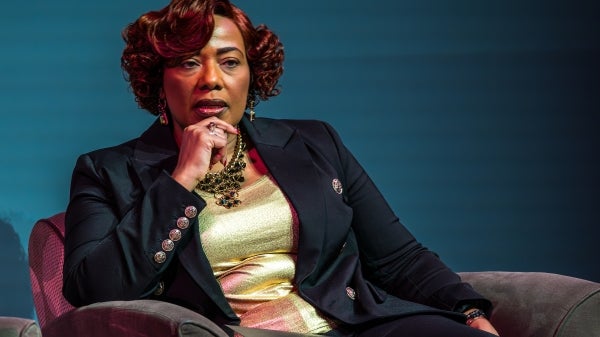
x=46, y=259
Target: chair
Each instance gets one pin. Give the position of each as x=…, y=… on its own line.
x=18, y=327
x=58, y=318
x=525, y=304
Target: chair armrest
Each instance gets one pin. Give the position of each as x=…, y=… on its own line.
x=132, y=319
x=18, y=327
x=539, y=304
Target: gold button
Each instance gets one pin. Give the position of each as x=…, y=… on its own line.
x=191, y=212
x=160, y=257
x=183, y=223
x=351, y=293
x=175, y=235
x=168, y=245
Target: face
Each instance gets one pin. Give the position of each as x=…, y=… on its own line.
x=214, y=82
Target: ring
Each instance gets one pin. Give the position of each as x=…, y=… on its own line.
x=211, y=128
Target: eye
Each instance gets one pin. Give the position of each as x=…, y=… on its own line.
x=189, y=64
x=230, y=63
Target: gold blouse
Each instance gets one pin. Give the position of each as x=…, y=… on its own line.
x=252, y=250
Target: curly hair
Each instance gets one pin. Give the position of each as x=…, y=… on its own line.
x=182, y=29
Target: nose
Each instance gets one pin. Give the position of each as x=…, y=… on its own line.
x=210, y=77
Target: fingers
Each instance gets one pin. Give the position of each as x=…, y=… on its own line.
x=219, y=153
x=202, y=145
x=215, y=126
x=219, y=129
x=212, y=126
x=219, y=156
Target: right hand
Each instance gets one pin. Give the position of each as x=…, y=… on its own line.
x=199, y=150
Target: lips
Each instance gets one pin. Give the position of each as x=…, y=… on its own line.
x=210, y=107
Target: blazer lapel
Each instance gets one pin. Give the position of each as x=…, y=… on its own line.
x=290, y=163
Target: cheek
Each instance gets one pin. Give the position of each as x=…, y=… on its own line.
x=175, y=84
x=173, y=87
x=241, y=92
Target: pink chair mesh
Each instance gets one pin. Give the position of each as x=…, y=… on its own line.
x=46, y=254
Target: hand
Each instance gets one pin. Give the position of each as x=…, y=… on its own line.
x=482, y=323
x=201, y=147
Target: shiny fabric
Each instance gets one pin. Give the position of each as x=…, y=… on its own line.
x=252, y=250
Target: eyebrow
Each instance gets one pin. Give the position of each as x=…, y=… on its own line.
x=225, y=50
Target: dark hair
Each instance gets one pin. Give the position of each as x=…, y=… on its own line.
x=181, y=29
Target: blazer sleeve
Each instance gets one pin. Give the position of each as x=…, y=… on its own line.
x=393, y=258
x=115, y=227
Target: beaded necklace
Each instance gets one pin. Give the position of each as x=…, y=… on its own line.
x=225, y=184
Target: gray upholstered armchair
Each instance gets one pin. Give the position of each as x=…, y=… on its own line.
x=526, y=304
x=540, y=304
x=18, y=327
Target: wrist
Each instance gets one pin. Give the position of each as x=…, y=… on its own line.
x=188, y=182
x=474, y=314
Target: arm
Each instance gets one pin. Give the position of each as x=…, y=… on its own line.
x=123, y=208
x=394, y=259
x=477, y=320
x=115, y=226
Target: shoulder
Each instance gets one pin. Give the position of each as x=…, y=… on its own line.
x=112, y=154
x=154, y=143
x=311, y=130
x=106, y=162
x=302, y=124
x=319, y=137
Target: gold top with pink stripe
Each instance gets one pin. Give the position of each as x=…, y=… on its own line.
x=252, y=250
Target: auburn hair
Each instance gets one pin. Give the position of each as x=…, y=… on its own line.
x=182, y=29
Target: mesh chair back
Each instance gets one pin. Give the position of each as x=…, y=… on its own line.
x=46, y=259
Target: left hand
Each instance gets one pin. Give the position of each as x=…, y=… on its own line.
x=484, y=324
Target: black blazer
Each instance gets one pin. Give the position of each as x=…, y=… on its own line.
x=356, y=262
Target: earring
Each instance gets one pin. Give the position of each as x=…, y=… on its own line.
x=252, y=113
x=162, y=110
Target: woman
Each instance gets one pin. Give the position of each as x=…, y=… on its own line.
x=252, y=221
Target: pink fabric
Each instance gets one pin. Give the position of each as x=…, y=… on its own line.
x=46, y=259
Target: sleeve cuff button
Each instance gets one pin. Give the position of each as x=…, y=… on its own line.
x=191, y=212
x=183, y=223
x=160, y=257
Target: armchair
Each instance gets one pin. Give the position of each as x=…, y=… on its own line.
x=526, y=304
x=18, y=327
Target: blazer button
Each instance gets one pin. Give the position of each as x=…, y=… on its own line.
x=160, y=289
x=175, y=235
x=183, y=223
x=336, y=184
x=351, y=293
x=168, y=245
x=343, y=247
x=160, y=257
x=191, y=212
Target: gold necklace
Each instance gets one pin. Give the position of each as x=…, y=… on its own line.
x=225, y=184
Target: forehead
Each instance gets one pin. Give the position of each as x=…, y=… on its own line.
x=226, y=32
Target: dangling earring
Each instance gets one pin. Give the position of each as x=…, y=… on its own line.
x=162, y=110
x=252, y=113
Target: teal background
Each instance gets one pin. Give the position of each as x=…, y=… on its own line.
x=478, y=120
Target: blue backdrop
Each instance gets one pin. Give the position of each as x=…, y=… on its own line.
x=478, y=120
